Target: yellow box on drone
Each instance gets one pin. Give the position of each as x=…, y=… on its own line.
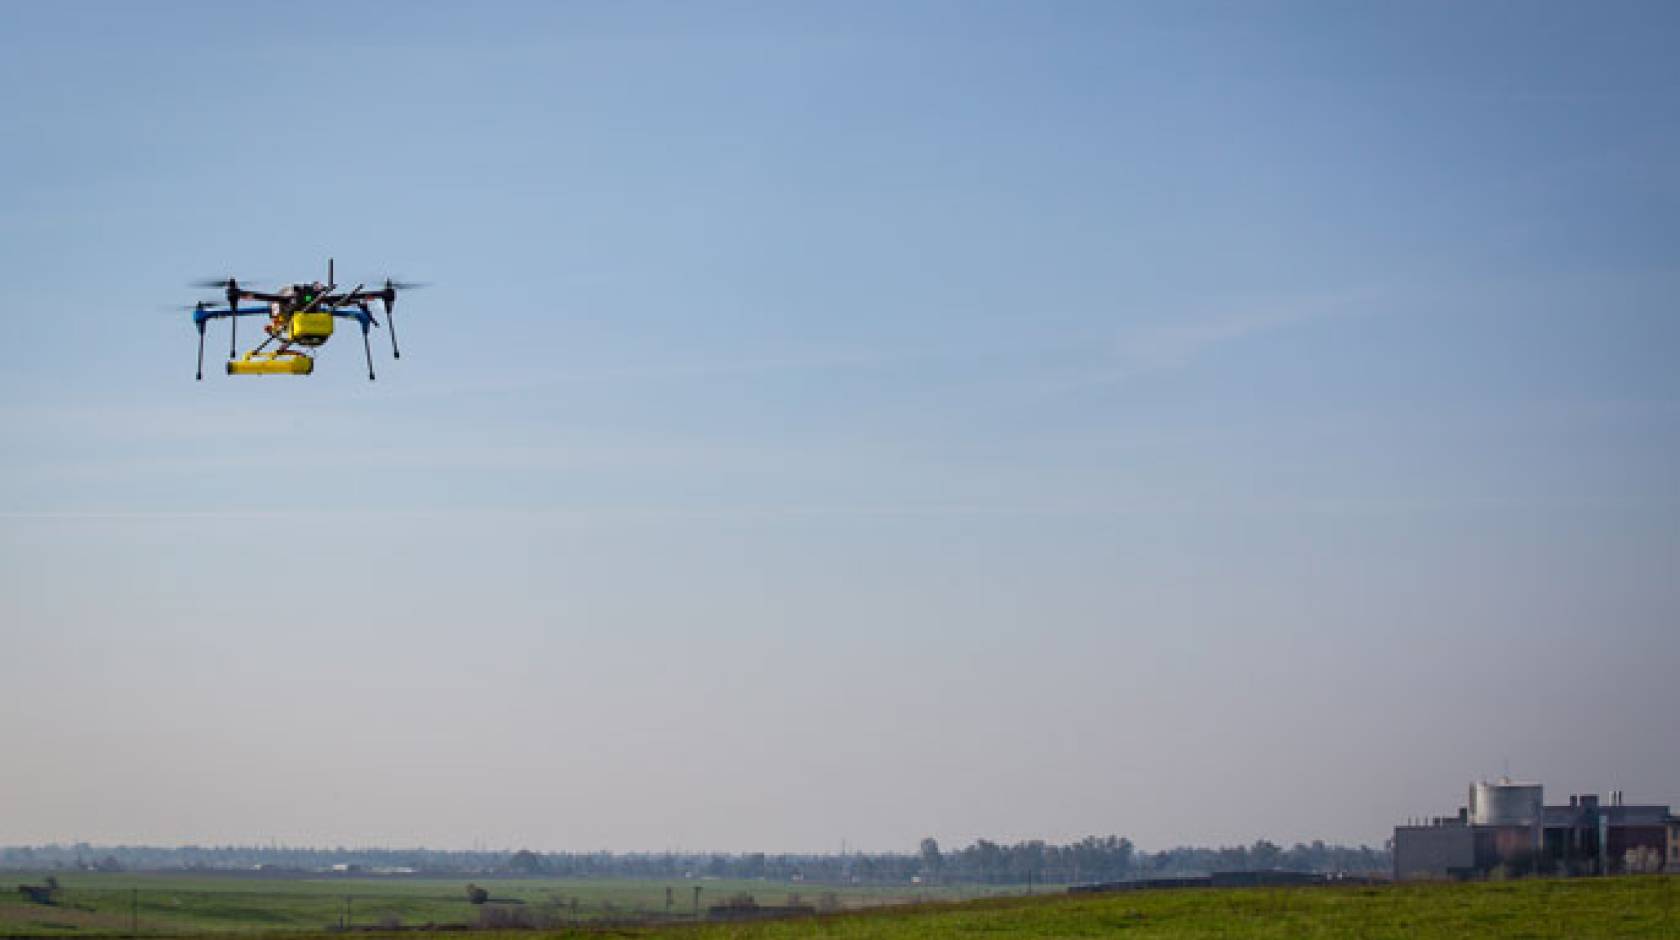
x=290, y=364
x=311, y=329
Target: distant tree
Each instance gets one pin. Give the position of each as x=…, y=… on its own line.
x=1265, y=855
x=477, y=895
x=988, y=859
x=527, y=862
x=1101, y=858
x=932, y=860
x=1109, y=858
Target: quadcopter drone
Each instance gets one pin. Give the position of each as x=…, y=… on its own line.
x=300, y=320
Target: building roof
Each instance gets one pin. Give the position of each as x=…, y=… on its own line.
x=1646, y=814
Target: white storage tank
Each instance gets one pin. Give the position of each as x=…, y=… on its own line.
x=1506, y=803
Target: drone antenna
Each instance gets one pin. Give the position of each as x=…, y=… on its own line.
x=330, y=282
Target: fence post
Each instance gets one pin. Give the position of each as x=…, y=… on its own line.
x=134, y=912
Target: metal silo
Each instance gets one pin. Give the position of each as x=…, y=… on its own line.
x=1506, y=803
x=1515, y=809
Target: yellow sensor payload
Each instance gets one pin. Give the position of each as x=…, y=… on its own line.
x=301, y=318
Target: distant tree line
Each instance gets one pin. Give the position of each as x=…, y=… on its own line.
x=1114, y=858
x=1095, y=858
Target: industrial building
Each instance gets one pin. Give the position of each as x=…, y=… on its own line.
x=1506, y=826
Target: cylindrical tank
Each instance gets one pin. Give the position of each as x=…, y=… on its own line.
x=1506, y=803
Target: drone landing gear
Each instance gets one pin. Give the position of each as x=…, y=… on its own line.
x=367, y=350
x=201, y=351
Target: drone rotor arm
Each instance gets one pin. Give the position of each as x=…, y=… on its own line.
x=359, y=312
x=330, y=300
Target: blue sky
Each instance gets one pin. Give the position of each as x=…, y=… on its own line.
x=862, y=422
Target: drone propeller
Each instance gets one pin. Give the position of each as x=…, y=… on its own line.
x=219, y=283
x=230, y=286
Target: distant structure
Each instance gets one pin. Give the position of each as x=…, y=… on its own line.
x=1506, y=826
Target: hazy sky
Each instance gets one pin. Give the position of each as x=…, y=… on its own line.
x=1198, y=422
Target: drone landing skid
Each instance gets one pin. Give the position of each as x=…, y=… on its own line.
x=255, y=363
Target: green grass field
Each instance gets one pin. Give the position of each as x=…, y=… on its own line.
x=1647, y=906
x=1619, y=907
x=168, y=904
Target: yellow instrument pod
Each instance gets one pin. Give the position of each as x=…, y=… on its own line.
x=289, y=364
x=311, y=326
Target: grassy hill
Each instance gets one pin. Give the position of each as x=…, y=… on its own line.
x=90, y=904
x=1606, y=907
x=1617, y=907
